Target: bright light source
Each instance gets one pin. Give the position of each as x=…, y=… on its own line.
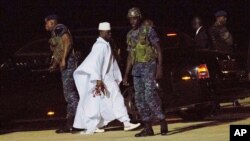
x=171, y=34
x=202, y=71
x=186, y=78
x=157, y=85
x=225, y=72
x=51, y=113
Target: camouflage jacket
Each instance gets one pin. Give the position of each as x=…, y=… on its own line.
x=56, y=43
x=221, y=38
x=141, y=44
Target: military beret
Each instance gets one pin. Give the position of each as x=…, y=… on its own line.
x=51, y=17
x=220, y=13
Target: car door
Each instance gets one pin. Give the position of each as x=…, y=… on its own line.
x=30, y=90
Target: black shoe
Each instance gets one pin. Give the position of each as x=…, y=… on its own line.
x=147, y=131
x=67, y=127
x=164, y=128
x=64, y=130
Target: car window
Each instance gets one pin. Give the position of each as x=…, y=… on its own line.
x=176, y=40
x=170, y=40
x=35, y=47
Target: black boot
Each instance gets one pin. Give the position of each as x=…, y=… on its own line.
x=68, y=128
x=164, y=127
x=64, y=130
x=147, y=131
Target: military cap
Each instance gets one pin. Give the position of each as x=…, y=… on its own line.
x=134, y=12
x=220, y=13
x=52, y=17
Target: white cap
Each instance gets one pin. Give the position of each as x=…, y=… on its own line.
x=104, y=26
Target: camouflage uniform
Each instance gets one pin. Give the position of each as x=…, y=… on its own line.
x=69, y=89
x=147, y=100
x=221, y=38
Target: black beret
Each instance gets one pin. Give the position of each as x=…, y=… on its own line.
x=220, y=13
x=51, y=17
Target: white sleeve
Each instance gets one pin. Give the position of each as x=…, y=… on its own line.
x=98, y=56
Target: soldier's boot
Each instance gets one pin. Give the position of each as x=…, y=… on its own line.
x=64, y=130
x=68, y=128
x=147, y=131
x=164, y=127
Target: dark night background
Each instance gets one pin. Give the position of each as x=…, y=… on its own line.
x=23, y=20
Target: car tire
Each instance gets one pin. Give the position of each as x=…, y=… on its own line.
x=199, y=112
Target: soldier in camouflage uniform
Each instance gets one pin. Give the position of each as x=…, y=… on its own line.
x=64, y=59
x=146, y=58
x=220, y=36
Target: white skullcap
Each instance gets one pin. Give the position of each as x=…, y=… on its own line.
x=104, y=26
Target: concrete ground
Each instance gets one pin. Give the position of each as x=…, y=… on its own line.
x=214, y=128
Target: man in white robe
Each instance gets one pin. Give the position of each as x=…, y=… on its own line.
x=97, y=80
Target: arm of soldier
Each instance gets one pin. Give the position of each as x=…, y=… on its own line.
x=228, y=38
x=67, y=47
x=159, y=64
x=54, y=66
x=154, y=39
x=128, y=68
x=211, y=38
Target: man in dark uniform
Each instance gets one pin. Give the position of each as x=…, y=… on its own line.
x=201, y=37
x=144, y=54
x=64, y=59
x=221, y=38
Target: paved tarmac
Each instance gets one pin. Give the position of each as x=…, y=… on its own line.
x=214, y=128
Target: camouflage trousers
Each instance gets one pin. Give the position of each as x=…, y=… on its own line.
x=147, y=100
x=69, y=90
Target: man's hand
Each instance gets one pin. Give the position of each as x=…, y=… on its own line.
x=53, y=65
x=159, y=72
x=52, y=69
x=63, y=65
x=52, y=60
x=125, y=80
x=99, y=82
x=99, y=89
